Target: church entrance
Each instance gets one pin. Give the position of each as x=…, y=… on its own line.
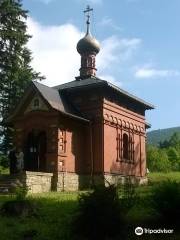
x=35, y=151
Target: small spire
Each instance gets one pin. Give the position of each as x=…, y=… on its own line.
x=87, y=11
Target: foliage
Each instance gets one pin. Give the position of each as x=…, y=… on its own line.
x=15, y=70
x=56, y=209
x=21, y=192
x=100, y=215
x=4, y=162
x=128, y=194
x=157, y=160
x=166, y=157
x=161, y=135
x=165, y=199
x=174, y=158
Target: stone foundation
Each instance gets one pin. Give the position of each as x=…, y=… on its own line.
x=74, y=182
x=37, y=182
x=121, y=179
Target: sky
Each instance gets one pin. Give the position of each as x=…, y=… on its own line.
x=140, y=47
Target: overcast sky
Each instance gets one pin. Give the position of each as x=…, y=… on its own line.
x=140, y=47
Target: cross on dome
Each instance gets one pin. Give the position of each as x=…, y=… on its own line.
x=87, y=12
x=88, y=47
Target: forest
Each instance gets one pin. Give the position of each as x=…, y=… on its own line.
x=165, y=156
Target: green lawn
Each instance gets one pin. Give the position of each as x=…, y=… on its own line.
x=158, y=177
x=55, y=211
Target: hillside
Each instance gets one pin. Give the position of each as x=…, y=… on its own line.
x=160, y=135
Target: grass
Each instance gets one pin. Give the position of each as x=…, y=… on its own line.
x=157, y=177
x=4, y=170
x=55, y=212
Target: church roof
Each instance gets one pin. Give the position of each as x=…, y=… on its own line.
x=53, y=98
x=58, y=101
x=99, y=82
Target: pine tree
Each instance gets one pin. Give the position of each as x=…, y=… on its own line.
x=15, y=70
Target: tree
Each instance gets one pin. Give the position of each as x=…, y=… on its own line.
x=157, y=159
x=174, y=158
x=15, y=70
x=174, y=141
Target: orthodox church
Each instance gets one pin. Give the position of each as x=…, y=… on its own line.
x=81, y=131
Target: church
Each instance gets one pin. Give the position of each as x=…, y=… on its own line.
x=86, y=130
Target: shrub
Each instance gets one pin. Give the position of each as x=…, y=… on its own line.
x=166, y=201
x=21, y=192
x=128, y=194
x=100, y=215
x=4, y=161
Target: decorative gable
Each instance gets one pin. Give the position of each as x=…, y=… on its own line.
x=37, y=104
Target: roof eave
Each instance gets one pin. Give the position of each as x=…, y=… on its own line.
x=147, y=105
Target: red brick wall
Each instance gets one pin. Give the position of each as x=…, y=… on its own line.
x=118, y=120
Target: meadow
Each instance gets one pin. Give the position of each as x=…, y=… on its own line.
x=55, y=211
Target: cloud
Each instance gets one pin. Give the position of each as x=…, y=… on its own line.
x=108, y=22
x=54, y=51
x=116, y=50
x=146, y=72
x=55, y=56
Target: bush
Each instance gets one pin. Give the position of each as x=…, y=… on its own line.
x=21, y=192
x=166, y=201
x=4, y=161
x=100, y=215
x=157, y=160
x=128, y=193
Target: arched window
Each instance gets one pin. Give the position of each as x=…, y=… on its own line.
x=125, y=146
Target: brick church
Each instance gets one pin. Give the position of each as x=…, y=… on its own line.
x=86, y=129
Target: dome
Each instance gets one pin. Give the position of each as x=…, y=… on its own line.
x=88, y=44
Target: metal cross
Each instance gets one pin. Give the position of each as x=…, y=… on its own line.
x=87, y=11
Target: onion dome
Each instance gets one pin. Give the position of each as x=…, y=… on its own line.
x=88, y=44
x=88, y=47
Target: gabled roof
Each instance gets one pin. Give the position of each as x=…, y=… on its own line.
x=54, y=99
x=51, y=95
x=58, y=101
x=99, y=82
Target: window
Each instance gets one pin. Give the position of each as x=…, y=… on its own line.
x=125, y=146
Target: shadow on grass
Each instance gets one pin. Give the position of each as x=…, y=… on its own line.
x=52, y=221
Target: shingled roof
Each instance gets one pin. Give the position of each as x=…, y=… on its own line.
x=94, y=81
x=58, y=101
x=53, y=98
